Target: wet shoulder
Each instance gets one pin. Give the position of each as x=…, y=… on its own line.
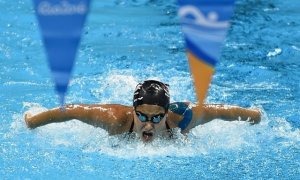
x=123, y=112
x=123, y=118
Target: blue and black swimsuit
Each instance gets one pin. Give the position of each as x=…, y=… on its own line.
x=184, y=110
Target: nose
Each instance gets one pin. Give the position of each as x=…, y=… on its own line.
x=149, y=125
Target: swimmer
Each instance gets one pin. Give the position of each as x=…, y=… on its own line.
x=152, y=115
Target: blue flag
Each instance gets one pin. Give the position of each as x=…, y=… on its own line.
x=61, y=23
x=204, y=24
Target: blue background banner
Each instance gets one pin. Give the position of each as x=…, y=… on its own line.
x=61, y=23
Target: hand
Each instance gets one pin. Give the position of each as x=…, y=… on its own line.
x=256, y=116
x=27, y=118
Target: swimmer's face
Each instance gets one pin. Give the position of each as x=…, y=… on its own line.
x=149, y=121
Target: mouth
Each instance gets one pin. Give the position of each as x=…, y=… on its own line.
x=147, y=136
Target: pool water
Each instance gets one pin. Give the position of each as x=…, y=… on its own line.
x=126, y=42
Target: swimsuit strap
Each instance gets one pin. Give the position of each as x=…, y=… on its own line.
x=131, y=127
x=167, y=126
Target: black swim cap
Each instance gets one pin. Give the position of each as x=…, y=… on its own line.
x=152, y=92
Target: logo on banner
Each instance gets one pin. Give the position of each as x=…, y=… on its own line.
x=199, y=18
x=47, y=8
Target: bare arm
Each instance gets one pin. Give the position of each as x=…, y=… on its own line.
x=208, y=112
x=231, y=113
x=113, y=118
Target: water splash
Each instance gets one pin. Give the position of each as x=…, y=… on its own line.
x=204, y=140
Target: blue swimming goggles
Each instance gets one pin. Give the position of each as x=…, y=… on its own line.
x=144, y=118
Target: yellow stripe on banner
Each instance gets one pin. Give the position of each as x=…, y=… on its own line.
x=202, y=74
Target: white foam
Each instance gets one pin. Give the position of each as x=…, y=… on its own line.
x=119, y=87
x=275, y=52
x=34, y=108
x=271, y=9
x=21, y=83
x=296, y=48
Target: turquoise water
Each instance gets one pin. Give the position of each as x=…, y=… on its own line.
x=126, y=42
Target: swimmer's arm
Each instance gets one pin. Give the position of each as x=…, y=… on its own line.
x=224, y=112
x=231, y=113
x=108, y=117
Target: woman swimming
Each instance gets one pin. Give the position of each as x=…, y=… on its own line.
x=151, y=115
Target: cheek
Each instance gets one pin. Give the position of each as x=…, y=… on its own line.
x=160, y=126
x=162, y=123
x=138, y=124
